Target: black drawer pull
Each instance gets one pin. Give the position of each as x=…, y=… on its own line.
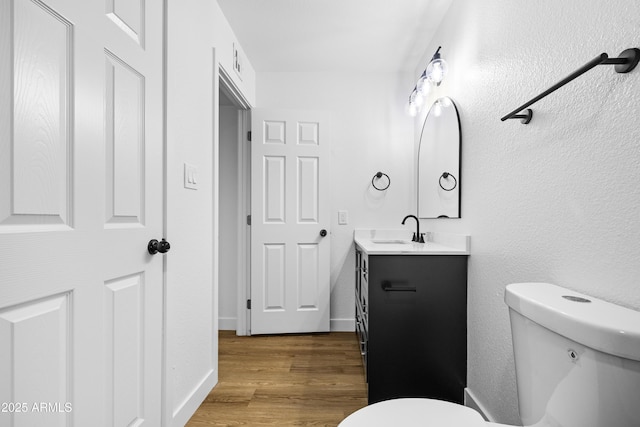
x=390, y=287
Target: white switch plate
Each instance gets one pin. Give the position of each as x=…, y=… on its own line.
x=190, y=176
x=343, y=217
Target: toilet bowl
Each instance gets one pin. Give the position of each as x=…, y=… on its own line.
x=416, y=412
x=577, y=363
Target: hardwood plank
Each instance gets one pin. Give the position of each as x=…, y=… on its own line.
x=290, y=380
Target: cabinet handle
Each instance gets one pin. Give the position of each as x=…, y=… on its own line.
x=389, y=287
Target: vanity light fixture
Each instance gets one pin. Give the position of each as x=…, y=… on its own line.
x=431, y=76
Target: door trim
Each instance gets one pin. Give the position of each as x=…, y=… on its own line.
x=165, y=415
x=231, y=89
x=243, y=314
x=243, y=231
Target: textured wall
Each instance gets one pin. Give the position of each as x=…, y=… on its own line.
x=557, y=200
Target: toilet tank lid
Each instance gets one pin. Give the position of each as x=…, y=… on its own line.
x=592, y=322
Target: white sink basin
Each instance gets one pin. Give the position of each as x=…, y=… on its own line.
x=390, y=241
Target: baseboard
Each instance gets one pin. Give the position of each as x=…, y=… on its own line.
x=472, y=401
x=227, y=323
x=342, y=325
x=335, y=325
x=189, y=406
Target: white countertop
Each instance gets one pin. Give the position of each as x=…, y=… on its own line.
x=395, y=242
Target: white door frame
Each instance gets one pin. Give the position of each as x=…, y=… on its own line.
x=243, y=323
x=227, y=85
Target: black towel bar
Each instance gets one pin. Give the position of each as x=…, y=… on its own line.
x=626, y=62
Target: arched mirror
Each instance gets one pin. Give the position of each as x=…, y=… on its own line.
x=439, y=162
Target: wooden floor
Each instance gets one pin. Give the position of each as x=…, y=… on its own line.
x=291, y=380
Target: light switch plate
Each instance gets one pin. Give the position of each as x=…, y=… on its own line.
x=343, y=217
x=190, y=176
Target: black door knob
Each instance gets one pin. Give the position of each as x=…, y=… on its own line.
x=154, y=246
x=163, y=246
x=323, y=232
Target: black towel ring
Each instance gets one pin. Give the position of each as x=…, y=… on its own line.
x=446, y=175
x=378, y=176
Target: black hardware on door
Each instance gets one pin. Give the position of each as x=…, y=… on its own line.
x=154, y=246
x=323, y=232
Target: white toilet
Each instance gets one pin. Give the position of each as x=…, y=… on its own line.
x=577, y=365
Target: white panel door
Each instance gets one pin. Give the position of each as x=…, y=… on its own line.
x=81, y=189
x=290, y=217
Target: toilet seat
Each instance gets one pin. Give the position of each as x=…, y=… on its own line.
x=414, y=412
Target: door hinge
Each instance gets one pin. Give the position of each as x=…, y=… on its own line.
x=248, y=304
x=249, y=135
x=248, y=219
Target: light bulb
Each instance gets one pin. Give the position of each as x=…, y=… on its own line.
x=411, y=109
x=423, y=85
x=445, y=102
x=417, y=99
x=437, y=108
x=436, y=70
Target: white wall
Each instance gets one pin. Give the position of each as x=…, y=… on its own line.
x=229, y=217
x=558, y=199
x=370, y=133
x=555, y=200
x=199, y=40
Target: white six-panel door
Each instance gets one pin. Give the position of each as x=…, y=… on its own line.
x=80, y=197
x=290, y=287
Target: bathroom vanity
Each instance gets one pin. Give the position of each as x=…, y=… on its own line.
x=411, y=314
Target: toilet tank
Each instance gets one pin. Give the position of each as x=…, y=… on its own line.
x=577, y=358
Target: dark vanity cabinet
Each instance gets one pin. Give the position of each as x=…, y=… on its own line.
x=411, y=320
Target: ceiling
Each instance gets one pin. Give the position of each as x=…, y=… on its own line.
x=334, y=35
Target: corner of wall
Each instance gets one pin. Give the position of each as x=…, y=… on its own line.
x=471, y=400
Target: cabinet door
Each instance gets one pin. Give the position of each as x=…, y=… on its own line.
x=417, y=327
x=361, y=318
x=358, y=281
x=364, y=286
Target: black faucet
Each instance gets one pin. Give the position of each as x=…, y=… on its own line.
x=417, y=237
